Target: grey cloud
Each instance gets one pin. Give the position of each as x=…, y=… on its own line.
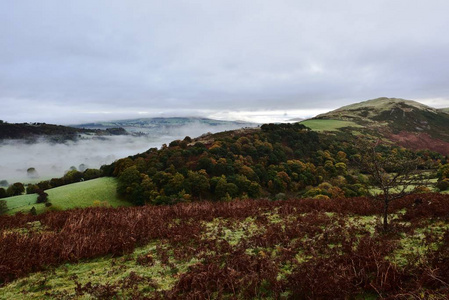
x=215, y=55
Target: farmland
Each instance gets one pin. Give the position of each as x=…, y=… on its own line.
x=243, y=248
x=81, y=194
x=328, y=125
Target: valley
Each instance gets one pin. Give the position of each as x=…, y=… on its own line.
x=269, y=212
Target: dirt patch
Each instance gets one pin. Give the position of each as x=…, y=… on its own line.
x=420, y=141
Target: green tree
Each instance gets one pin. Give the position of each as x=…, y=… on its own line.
x=2, y=193
x=129, y=186
x=254, y=190
x=72, y=176
x=443, y=172
x=198, y=183
x=32, y=188
x=15, y=189
x=341, y=168
x=92, y=173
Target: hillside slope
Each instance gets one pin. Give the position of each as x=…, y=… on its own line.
x=81, y=194
x=409, y=123
x=329, y=249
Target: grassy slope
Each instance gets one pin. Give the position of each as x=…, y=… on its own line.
x=328, y=125
x=81, y=194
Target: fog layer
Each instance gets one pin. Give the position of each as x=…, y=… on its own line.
x=53, y=160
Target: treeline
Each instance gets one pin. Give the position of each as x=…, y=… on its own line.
x=71, y=176
x=276, y=161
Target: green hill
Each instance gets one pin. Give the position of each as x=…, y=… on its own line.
x=405, y=122
x=81, y=194
x=397, y=114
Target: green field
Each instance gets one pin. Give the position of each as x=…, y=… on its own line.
x=81, y=194
x=328, y=125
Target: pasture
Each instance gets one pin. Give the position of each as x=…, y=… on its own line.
x=100, y=191
x=328, y=125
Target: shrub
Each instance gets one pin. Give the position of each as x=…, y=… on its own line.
x=53, y=207
x=443, y=185
x=321, y=197
x=280, y=196
x=33, y=211
x=421, y=189
x=3, y=207
x=43, y=196
x=98, y=203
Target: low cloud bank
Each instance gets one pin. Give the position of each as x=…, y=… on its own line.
x=53, y=160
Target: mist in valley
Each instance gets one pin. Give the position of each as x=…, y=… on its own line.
x=54, y=159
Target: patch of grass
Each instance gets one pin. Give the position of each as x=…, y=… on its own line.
x=106, y=270
x=81, y=194
x=328, y=125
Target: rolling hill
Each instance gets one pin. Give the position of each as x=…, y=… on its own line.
x=408, y=123
x=56, y=133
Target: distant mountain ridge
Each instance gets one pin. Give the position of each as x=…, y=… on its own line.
x=161, y=124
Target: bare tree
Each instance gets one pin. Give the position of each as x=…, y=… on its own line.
x=393, y=171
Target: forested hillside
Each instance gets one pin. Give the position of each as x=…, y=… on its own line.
x=278, y=161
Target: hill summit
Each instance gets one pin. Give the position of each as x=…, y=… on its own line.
x=409, y=123
x=383, y=109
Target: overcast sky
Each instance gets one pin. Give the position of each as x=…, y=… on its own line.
x=69, y=61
